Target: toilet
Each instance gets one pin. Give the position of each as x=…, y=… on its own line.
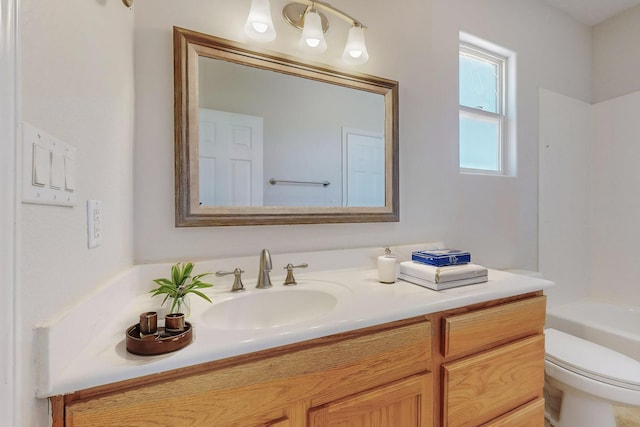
x=591, y=378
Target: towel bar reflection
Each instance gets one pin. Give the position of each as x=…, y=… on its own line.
x=274, y=181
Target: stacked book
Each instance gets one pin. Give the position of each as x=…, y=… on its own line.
x=442, y=269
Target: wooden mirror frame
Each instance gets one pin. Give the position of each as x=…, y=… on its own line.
x=188, y=46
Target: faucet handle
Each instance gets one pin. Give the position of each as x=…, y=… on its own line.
x=237, y=279
x=290, y=280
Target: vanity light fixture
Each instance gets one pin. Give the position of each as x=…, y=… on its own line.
x=312, y=38
x=306, y=15
x=259, y=25
x=355, y=52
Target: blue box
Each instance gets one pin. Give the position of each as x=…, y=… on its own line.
x=440, y=257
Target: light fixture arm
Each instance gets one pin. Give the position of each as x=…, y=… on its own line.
x=328, y=8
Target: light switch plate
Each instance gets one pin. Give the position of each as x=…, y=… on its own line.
x=94, y=223
x=43, y=169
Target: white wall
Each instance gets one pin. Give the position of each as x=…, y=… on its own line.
x=496, y=218
x=615, y=200
x=565, y=144
x=589, y=174
x=616, y=58
x=589, y=208
x=8, y=210
x=616, y=177
x=76, y=84
x=615, y=206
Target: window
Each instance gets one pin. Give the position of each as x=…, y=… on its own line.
x=483, y=117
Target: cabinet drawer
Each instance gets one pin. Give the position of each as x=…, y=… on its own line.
x=482, y=387
x=481, y=329
x=529, y=415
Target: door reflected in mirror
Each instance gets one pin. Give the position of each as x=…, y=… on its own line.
x=264, y=139
x=271, y=139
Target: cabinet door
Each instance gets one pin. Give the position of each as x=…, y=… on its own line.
x=173, y=417
x=405, y=403
x=273, y=388
x=485, y=386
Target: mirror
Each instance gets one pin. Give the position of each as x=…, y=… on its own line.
x=261, y=138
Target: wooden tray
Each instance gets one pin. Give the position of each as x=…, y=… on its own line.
x=159, y=343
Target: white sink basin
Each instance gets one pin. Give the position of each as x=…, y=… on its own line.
x=269, y=308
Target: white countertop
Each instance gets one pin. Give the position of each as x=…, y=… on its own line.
x=102, y=358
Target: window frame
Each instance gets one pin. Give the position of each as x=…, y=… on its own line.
x=501, y=115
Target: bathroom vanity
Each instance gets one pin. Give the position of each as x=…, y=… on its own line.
x=339, y=348
x=471, y=364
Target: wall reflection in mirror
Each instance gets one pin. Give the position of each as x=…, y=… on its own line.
x=263, y=138
x=272, y=139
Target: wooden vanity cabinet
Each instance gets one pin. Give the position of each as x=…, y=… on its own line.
x=375, y=376
x=492, y=364
x=480, y=365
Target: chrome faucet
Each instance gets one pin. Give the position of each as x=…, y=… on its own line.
x=264, y=281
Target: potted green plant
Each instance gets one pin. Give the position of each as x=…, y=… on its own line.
x=177, y=288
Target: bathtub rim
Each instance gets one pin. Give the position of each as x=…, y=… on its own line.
x=573, y=319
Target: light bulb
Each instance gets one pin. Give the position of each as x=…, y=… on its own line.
x=355, y=51
x=313, y=42
x=260, y=27
x=259, y=24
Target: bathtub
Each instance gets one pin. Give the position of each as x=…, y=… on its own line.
x=611, y=325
